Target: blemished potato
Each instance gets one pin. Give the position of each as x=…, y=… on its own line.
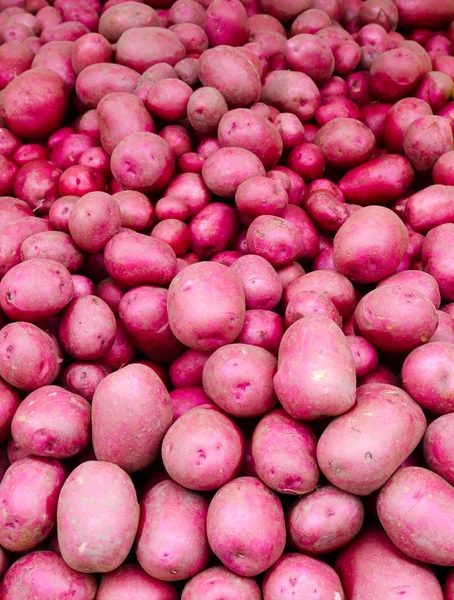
x=217, y=581
x=172, y=540
x=324, y=520
x=394, y=573
x=283, y=453
x=52, y=422
x=29, y=492
x=102, y=543
x=50, y=569
x=316, y=374
x=203, y=449
x=132, y=579
x=245, y=526
x=239, y=379
x=133, y=407
x=374, y=451
x=415, y=508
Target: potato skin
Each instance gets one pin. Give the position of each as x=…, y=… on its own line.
x=334, y=141
x=131, y=413
x=142, y=47
x=171, y=541
x=132, y=579
x=119, y=18
x=42, y=575
x=416, y=510
x=438, y=447
x=28, y=494
x=310, y=384
x=53, y=245
x=218, y=319
x=98, y=80
x=245, y=526
x=218, y=581
x=324, y=520
x=372, y=568
x=374, y=452
x=290, y=91
x=9, y=403
x=430, y=207
x=106, y=492
x=438, y=258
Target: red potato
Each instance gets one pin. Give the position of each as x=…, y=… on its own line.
x=156, y=45
x=400, y=116
x=374, y=453
x=381, y=180
x=94, y=220
x=299, y=574
x=83, y=378
x=29, y=492
x=262, y=328
x=185, y=399
x=143, y=314
x=168, y=99
x=442, y=172
x=444, y=63
x=290, y=129
x=324, y=520
x=437, y=258
x=370, y=244
x=289, y=274
x=97, y=80
x=275, y=239
x=136, y=211
x=175, y=233
x=90, y=49
x=9, y=143
x=113, y=130
x=214, y=581
x=333, y=139
x=309, y=304
x=212, y=230
x=130, y=578
x=87, y=123
x=364, y=355
x=264, y=22
x=426, y=375
x=203, y=449
x=309, y=54
x=145, y=408
x=261, y=284
x=310, y=21
x=121, y=352
x=438, y=447
x=396, y=318
x=7, y=175
x=87, y=328
x=136, y=259
x=119, y=18
x=226, y=23
x=102, y=543
x=418, y=280
x=395, y=74
x=41, y=574
x=143, y=161
x=445, y=329
x=69, y=31
x=286, y=11
x=175, y=547
x=37, y=184
x=261, y=196
x=372, y=567
x=435, y=89
x=429, y=208
x=383, y=12
x=290, y=91
x=15, y=58
x=29, y=152
x=326, y=211
x=323, y=384
x=205, y=108
x=178, y=138
x=12, y=209
x=9, y=403
x=430, y=499
x=52, y=423
x=283, y=454
x=30, y=357
x=56, y=56
x=245, y=526
x=426, y=140
x=79, y=180
x=82, y=286
x=187, y=369
x=109, y=291
x=187, y=11
x=54, y=245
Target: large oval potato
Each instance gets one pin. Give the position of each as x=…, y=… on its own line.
x=316, y=374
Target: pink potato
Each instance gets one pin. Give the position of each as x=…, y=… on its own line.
x=335, y=137
x=12, y=209
x=261, y=284
x=28, y=494
x=102, y=543
x=261, y=196
x=9, y=403
x=226, y=23
x=87, y=328
x=331, y=284
x=143, y=161
x=400, y=116
x=114, y=130
x=53, y=245
x=375, y=452
x=56, y=56
x=438, y=450
x=275, y=239
x=15, y=58
x=430, y=207
x=364, y=355
x=216, y=581
x=395, y=74
x=443, y=169
x=37, y=184
x=168, y=99
x=212, y=230
x=205, y=108
x=324, y=520
x=310, y=21
x=43, y=575
x=283, y=454
x=438, y=258
x=119, y=18
x=290, y=129
x=132, y=579
x=90, y=49
x=416, y=14
x=426, y=376
x=203, y=449
x=109, y=291
x=34, y=103
x=426, y=140
x=186, y=398
x=59, y=212
x=262, y=328
x=239, y=379
x=136, y=259
x=94, y=220
x=419, y=281
x=372, y=567
x=68, y=31
x=83, y=378
x=194, y=39
x=186, y=370
x=7, y=175
x=178, y=235
x=35, y=290
x=415, y=508
x=445, y=329
x=309, y=304
x=82, y=286
x=190, y=188
x=323, y=383
x=309, y=54
x=244, y=128
x=122, y=351
x=136, y=211
x=381, y=180
x=29, y=357
x=133, y=406
x=396, y=318
x=435, y=89
x=303, y=575
x=229, y=71
x=245, y=526
x=53, y=423
x=97, y=80
x=291, y=91
x=171, y=542
x=225, y=170
x=370, y=244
